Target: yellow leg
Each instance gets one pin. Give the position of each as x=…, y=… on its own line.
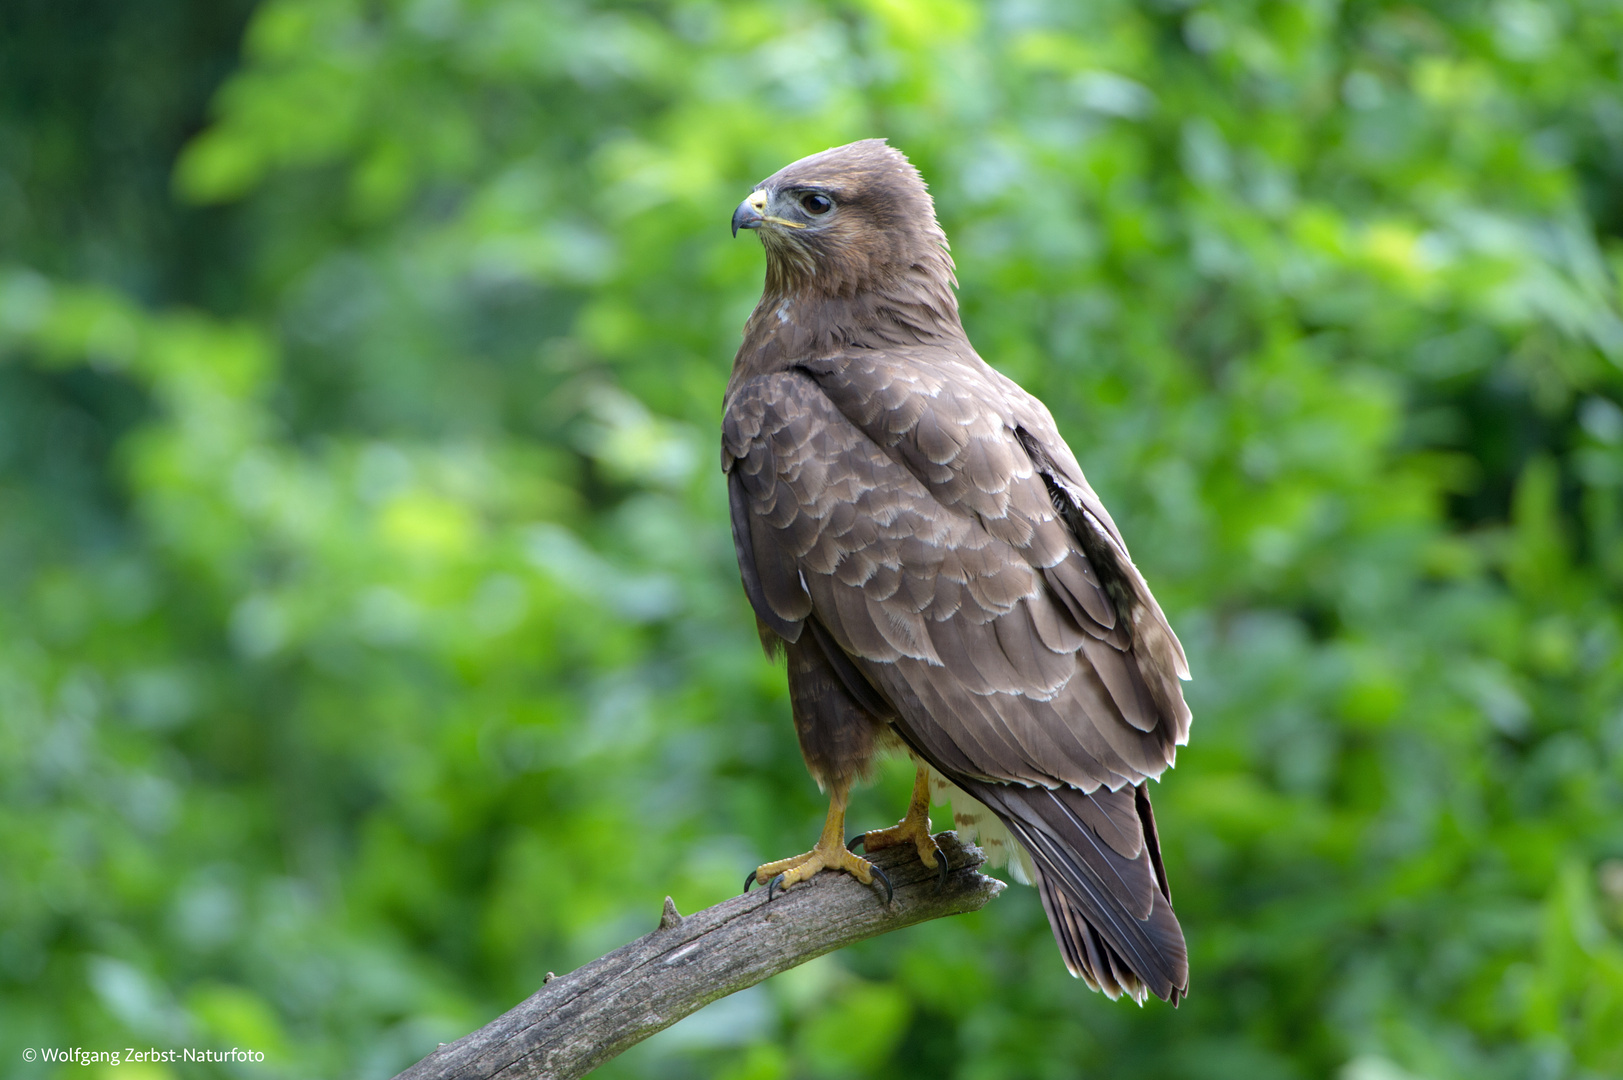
x=914, y=828
x=829, y=854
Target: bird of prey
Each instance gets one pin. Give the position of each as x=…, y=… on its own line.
x=919, y=541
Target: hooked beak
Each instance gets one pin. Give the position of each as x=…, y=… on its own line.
x=750, y=213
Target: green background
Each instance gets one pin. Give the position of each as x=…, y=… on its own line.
x=370, y=639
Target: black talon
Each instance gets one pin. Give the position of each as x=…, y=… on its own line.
x=773, y=887
x=750, y=881
x=942, y=869
x=859, y=838
x=880, y=874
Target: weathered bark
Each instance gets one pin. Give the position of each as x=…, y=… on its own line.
x=575, y=1022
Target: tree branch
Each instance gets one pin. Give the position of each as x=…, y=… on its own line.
x=575, y=1022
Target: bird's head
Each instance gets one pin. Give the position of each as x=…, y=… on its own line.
x=856, y=217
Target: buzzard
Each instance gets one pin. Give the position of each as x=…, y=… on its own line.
x=919, y=541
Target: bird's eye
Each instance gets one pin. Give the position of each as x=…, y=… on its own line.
x=813, y=203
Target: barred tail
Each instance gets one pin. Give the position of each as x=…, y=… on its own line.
x=1099, y=873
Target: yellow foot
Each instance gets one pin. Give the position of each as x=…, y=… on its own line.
x=913, y=829
x=777, y=876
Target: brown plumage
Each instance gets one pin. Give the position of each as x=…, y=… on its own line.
x=914, y=532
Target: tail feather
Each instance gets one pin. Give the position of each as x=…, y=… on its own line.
x=1070, y=934
x=1102, y=884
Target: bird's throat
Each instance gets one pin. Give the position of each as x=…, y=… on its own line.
x=802, y=315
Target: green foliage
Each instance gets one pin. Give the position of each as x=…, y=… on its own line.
x=370, y=640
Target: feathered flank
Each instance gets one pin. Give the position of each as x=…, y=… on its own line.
x=966, y=592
